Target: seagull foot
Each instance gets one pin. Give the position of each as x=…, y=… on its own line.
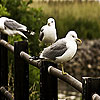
x=64, y=73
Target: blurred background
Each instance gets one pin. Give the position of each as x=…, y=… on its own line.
x=82, y=16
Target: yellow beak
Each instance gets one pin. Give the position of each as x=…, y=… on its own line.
x=48, y=24
x=79, y=40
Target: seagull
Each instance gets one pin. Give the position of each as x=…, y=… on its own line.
x=48, y=32
x=62, y=50
x=11, y=27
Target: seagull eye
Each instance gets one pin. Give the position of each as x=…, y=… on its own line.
x=51, y=21
x=73, y=36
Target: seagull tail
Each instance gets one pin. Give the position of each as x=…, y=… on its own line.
x=32, y=33
x=20, y=33
x=28, y=32
x=34, y=57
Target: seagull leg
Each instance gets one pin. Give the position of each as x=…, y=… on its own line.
x=64, y=73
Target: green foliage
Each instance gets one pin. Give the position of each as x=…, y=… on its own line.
x=33, y=18
x=3, y=11
x=81, y=17
x=34, y=83
x=86, y=29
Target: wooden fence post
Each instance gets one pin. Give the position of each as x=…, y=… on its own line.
x=21, y=83
x=91, y=85
x=3, y=65
x=48, y=83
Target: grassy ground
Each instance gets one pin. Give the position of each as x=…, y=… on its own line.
x=81, y=17
x=61, y=10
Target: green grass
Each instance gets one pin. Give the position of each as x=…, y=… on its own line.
x=61, y=10
x=81, y=17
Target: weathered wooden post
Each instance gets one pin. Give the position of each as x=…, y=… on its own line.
x=91, y=85
x=48, y=83
x=3, y=65
x=21, y=83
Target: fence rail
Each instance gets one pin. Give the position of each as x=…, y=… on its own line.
x=6, y=93
x=54, y=71
x=48, y=74
x=95, y=97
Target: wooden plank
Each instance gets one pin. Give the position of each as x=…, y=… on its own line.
x=48, y=83
x=66, y=78
x=6, y=93
x=91, y=85
x=3, y=65
x=21, y=83
x=95, y=97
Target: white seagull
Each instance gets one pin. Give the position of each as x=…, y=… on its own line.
x=48, y=32
x=11, y=27
x=62, y=50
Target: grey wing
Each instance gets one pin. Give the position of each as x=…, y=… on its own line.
x=41, y=34
x=55, y=50
x=13, y=25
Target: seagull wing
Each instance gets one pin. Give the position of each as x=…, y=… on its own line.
x=13, y=25
x=41, y=34
x=55, y=50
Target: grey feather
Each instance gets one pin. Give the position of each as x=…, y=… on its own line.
x=55, y=50
x=13, y=25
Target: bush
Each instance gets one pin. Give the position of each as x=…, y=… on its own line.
x=33, y=18
x=3, y=11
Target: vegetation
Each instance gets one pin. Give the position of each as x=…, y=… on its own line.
x=3, y=11
x=30, y=17
x=81, y=17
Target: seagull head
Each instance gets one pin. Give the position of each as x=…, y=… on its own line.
x=2, y=20
x=72, y=35
x=51, y=22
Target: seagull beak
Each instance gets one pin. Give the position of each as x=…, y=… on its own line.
x=79, y=40
x=48, y=24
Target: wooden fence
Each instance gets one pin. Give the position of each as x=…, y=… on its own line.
x=90, y=87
